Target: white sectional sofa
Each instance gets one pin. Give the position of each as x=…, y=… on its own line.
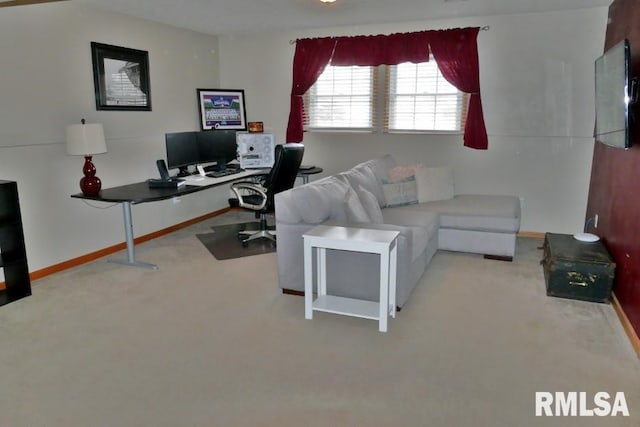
x=422, y=207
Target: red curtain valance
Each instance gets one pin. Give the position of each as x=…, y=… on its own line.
x=378, y=50
x=455, y=51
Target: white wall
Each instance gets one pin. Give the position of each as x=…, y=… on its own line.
x=46, y=83
x=538, y=98
x=536, y=76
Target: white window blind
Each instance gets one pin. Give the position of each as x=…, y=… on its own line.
x=420, y=99
x=417, y=99
x=343, y=98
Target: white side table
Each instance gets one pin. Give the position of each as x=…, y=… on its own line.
x=381, y=242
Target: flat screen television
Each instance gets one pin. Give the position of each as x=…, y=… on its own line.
x=613, y=96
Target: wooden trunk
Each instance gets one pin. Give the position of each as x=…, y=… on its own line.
x=577, y=270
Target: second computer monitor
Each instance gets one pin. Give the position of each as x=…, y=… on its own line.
x=217, y=146
x=186, y=149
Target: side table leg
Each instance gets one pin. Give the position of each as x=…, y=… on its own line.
x=383, y=310
x=322, y=271
x=393, y=272
x=308, y=281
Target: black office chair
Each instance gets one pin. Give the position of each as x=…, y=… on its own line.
x=258, y=197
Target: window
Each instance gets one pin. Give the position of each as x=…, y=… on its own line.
x=342, y=98
x=420, y=99
x=417, y=99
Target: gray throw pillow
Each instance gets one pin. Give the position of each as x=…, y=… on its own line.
x=400, y=193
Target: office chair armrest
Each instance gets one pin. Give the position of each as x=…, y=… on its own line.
x=254, y=188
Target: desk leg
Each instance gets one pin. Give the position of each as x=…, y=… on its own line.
x=128, y=232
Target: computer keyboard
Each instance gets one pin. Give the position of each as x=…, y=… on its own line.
x=191, y=178
x=225, y=172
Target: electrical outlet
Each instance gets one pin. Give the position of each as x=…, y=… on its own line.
x=595, y=221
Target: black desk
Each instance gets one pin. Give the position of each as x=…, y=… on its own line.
x=140, y=192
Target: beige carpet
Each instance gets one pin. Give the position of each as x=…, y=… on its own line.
x=203, y=342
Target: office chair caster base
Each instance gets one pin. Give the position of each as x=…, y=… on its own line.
x=256, y=234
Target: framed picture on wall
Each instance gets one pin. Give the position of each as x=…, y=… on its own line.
x=222, y=109
x=121, y=78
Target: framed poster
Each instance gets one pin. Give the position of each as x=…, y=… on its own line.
x=222, y=109
x=120, y=78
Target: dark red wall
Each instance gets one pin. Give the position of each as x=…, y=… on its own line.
x=614, y=192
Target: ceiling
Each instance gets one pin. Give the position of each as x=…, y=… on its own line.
x=236, y=17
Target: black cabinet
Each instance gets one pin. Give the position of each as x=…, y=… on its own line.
x=13, y=256
x=577, y=270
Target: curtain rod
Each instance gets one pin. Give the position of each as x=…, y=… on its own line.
x=485, y=28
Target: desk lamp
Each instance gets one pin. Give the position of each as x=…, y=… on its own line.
x=87, y=139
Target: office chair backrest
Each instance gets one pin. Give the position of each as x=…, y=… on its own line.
x=285, y=169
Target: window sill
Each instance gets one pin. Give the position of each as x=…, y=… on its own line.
x=424, y=132
x=344, y=130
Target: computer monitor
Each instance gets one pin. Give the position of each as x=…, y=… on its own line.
x=182, y=150
x=216, y=146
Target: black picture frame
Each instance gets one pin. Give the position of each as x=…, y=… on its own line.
x=222, y=109
x=120, y=78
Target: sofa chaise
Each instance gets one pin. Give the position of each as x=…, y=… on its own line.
x=416, y=201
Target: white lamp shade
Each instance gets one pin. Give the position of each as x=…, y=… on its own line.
x=85, y=139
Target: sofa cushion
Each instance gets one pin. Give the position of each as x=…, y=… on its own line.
x=474, y=212
x=420, y=237
x=363, y=176
x=312, y=203
x=370, y=204
x=283, y=208
x=400, y=193
x=423, y=226
x=430, y=221
x=337, y=190
x=354, y=209
x=380, y=166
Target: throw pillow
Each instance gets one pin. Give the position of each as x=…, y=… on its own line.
x=354, y=209
x=402, y=172
x=400, y=193
x=370, y=204
x=434, y=184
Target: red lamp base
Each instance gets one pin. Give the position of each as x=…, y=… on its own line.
x=90, y=184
